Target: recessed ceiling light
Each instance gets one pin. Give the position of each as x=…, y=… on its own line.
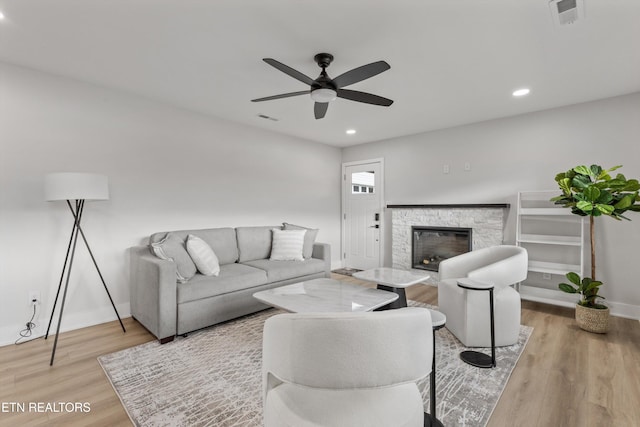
x=351, y=131
x=521, y=92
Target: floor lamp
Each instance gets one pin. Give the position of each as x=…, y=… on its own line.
x=77, y=187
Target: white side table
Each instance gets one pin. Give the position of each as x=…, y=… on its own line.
x=392, y=280
x=475, y=358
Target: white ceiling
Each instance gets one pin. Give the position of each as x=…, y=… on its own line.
x=452, y=61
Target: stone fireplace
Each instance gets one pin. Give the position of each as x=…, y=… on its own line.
x=430, y=245
x=485, y=223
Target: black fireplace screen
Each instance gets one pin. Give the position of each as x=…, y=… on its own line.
x=431, y=245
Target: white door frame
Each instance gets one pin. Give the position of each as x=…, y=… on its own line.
x=343, y=214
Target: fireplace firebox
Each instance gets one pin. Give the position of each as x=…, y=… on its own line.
x=431, y=245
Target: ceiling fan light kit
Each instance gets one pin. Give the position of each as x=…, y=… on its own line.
x=325, y=89
x=324, y=95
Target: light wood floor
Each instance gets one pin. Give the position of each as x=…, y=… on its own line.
x=565, y=377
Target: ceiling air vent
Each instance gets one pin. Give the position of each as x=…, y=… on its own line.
x=566, y=12
x=263, y=116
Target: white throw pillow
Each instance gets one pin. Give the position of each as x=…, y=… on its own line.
x=287, y=245
x=203, y=256
x=309, y=238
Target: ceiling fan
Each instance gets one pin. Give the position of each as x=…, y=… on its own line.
x=325, y=89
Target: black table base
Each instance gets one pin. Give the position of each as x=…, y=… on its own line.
x=401, y=302
x=430, y=418
x=430, y=421
x=477, y=359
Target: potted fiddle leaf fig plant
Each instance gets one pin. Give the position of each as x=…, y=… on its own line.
x=593, y=192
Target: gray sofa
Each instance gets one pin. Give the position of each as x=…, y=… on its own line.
x=168, y=308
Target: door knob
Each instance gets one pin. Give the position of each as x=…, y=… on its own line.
x=374, y=226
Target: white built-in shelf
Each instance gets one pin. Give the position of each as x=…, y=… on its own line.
x=550, y=253
x=545, y=211
x=550, y=239
x=547, y=296
x=553, y=267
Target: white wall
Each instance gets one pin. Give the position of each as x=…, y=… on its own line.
x=524, y=153
x=168, y=169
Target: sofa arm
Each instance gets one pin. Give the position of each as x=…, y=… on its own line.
x=323, y=251
x=152, y=285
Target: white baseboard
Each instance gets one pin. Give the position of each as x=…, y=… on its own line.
x=336, y=265
x=620, y=309
x=70, y=321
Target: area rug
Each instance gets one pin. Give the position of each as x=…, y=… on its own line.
x=212, y=378
x=346, y=271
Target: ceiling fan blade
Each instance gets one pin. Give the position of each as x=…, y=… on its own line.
x=367, y=98
x=320, y=109
x=283, y=95
x=288, y=70
x=361, y=73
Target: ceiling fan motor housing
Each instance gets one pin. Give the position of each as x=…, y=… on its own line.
x=323, y=59
x=323, y=82
x=323, y=89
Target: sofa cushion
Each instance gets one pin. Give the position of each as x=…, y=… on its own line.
x=203, y=256
x=254, y=242
x=222, y=241
x=232, y=277
x=309, y=237
x=171, y=248
x=283, y=270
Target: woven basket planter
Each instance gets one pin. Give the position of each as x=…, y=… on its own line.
x=593, y=319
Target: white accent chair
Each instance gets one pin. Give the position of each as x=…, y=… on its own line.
x=467, y=311
x=346, y=369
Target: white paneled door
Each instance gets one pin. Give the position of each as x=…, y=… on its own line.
x=362, y=214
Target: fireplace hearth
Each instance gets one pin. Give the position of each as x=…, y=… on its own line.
x=431, y=245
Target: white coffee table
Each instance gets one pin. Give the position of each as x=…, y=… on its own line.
x=325, y=295
x=393, y=280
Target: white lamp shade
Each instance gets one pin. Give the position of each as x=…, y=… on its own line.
x=76, y=186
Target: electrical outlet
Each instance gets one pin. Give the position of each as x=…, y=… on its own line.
x=445, y=169
x=467, y=166
x=546, y=276
x=34, y=295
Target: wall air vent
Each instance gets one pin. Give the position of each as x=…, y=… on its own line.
x=565, y=12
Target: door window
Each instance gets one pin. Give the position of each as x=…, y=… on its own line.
x=363, y=182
